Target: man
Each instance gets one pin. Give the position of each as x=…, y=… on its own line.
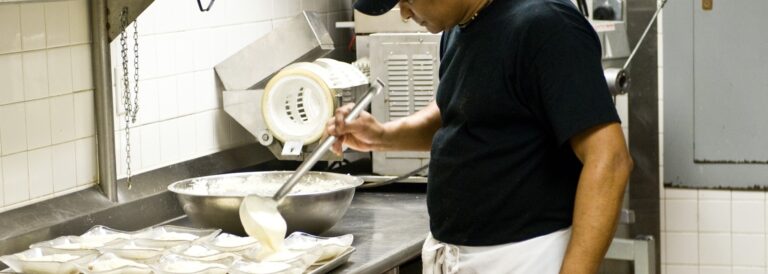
x=528, y=160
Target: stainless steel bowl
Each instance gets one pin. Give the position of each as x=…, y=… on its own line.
x=311, y=212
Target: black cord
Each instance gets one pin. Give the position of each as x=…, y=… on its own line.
x=396, y=179
x=200, y=5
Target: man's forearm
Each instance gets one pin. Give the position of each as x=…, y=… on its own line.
x=598, y=200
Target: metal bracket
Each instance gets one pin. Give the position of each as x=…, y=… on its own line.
x=641, y=251
x=135, y=7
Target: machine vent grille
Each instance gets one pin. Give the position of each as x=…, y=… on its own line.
x=411, y=83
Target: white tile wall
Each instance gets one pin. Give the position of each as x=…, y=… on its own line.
x=13, y=78
x=2, y=185
x=38, y=114
x=59, y=71
x=47, y=136
x=41, y=180
x=79, y=31
x=35, y=69
x=180, y=115
x=57, y=24
x=46, y=79
x=715, y=248
x=749, y=250
x=714, y=270
x=15, y=178
x=682, y=269
x=64, y=167
x=13, y=129
x=82, y=75
x=62, y=118
x=10, y=29
x=85, y=120
x=33, y=34
x=85, y=161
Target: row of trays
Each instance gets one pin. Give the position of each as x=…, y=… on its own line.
x=178, y=250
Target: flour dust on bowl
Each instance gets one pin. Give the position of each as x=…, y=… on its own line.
x=314, y=205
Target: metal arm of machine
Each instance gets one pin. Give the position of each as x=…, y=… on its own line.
x=617, y=78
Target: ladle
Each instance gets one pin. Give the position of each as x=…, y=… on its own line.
x=260, y=216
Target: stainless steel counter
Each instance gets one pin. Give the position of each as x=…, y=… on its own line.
x=389, y=229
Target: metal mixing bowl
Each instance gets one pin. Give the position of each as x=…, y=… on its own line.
x=311, y=212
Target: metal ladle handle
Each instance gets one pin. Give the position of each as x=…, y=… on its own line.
x=375, y=89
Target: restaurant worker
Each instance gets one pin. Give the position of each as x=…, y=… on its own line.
x=528, y=161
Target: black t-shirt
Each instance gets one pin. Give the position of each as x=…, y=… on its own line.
x=515, y=85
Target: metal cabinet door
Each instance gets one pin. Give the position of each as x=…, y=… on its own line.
x=716, y=93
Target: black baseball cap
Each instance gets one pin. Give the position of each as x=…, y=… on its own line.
x=375, y=7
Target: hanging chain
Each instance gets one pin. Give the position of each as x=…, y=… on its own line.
x=130, y=109
x=135, y=69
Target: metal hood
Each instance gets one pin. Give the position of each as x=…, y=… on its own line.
x=302, y=38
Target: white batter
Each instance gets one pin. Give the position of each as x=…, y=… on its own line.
x=262, y=221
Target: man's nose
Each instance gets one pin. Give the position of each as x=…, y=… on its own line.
x=405, y=11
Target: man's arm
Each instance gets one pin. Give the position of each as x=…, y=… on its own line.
x=607, y=165
x=366, y=134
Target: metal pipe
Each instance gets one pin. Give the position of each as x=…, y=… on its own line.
x=642, y=37
x=105, y=128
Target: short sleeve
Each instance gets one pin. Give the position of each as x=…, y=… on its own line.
x=572, y=89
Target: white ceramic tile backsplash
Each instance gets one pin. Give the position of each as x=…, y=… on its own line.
x=15, y=178
x=82, y=73
x=184, y=49
x=59, y=71
x=167, y=98
x=715, y=249
x=47, y=130
x=748, y=216
x=2, y=184
x=38, y=119
x=85, y=121
x=150, y=149
x=41, y=180
x=11, y=79
x=714, y=215
x=85, y=151
x=748, y=270
x=682, y=269
x=169, y=141
x=749, y=250
x=185, y=93
x=13, y=129
x=149, y=107
x=57, y=23
x=714, y=270
x=285, y=8
x=78, y=22
x=62, y=118
x=187, y=136
x=10, y=29
x=206, y=95
x=64, y=166
x=33, y=26
x=681, y=215
x=35, y=69
x=682, y=248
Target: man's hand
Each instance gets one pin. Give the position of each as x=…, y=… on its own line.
x=607, y=165
x=362, y=134
x=367, y=134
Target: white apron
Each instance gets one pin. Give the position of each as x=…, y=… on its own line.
x=540, y=255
